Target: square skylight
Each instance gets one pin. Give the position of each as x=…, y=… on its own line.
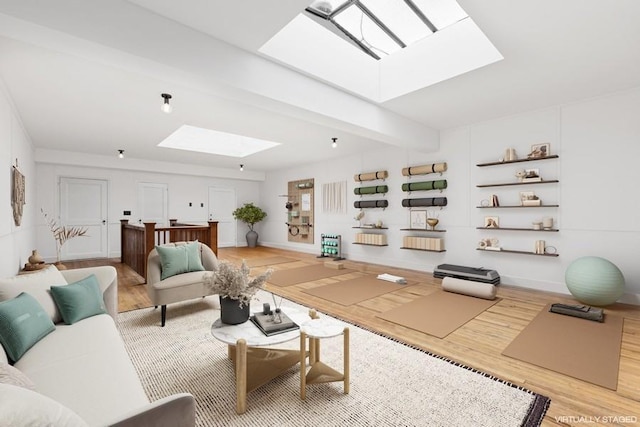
x=192, y=138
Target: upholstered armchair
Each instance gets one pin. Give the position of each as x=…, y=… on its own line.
x=175, y=272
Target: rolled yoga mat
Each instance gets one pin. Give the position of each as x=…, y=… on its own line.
x=425, y=186
x=469, y=287
x=371, y=190
x=425, y=169
x=359, y=204
x=370, y=176
x=429, y=201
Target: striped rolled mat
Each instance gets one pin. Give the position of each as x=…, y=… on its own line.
x=370, y=176
x=424, y=169
x=425, y=185
x=371, y=190
x=427, y=201
x=370, y=204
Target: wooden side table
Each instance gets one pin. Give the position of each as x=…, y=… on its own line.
x=315, y=330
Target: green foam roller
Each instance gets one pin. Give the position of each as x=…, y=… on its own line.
x=371, y=190
x=440, y=184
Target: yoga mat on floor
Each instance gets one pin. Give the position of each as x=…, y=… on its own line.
x=349, y=292
x=579, y=348
x=309, y=273
x=439, y=313
x=259, y=262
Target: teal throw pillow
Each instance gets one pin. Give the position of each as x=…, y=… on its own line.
x=179, y=259
x=79, y=300
x=23, y=322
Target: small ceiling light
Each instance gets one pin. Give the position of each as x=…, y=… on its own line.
x=166, y=107
x=241, y=168
x=334, y=144
x=121, y=154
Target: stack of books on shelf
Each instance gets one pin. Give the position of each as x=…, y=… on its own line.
x=425, y=243
x=371, y=239
x=269, y=324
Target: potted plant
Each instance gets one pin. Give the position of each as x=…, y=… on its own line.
x=62, y=234
x=235, y=288
x=250, y=214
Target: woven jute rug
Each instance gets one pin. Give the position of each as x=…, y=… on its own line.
x=392, y=384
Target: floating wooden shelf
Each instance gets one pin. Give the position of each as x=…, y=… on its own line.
x=368, y=244
x=517, y=183
x=514, y=229
x=424, y=250
x=423, y=229
x=506, y=251
x=517, y=206
x=555, y=156
x=373, y=228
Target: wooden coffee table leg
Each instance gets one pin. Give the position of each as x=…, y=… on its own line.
x=241, y=376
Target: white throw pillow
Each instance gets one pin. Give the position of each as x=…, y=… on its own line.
x=22, y=407
x=38, y=285
x=14, y=376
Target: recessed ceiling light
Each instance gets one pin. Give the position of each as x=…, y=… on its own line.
x=192, y=138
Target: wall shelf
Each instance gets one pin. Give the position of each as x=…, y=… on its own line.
x=517, y=206
x=517, y=183
x=423, y=229
x=506, y=251
x=555, y=156
x=368, y=244
x=423, y=250
x=516, y=229
x=373, y=228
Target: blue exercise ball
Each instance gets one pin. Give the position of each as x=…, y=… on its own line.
x=594, y=281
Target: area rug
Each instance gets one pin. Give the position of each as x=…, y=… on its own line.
x=438, y=313
x=259, y=262
x=391, y=384
x=580, y=348
x=349, y=292
x=309, y=273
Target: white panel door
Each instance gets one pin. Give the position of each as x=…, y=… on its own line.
x=222, y=203
x=153, y=203
x=83, y=203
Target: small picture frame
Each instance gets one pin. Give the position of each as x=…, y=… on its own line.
x=418, y=219
x=491, y=222
x=540, y=150
x=529, y=198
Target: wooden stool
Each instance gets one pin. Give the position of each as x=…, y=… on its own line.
x=317, y=329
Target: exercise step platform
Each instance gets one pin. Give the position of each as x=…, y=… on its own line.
x=467, y=273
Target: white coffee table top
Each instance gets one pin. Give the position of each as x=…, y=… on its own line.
x=230, y=334
x=323, y=327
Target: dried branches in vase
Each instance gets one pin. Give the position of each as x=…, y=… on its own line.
x=62, y=234
x=235, y=283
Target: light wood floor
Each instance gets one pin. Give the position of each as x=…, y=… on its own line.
x=478, y=344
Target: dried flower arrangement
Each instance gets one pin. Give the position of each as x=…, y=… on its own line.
x=234, y=282
x=62, y=234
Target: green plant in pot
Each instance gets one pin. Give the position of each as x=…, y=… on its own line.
x=250, y=214
x=235, y=287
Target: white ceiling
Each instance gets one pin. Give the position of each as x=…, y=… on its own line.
x=87, y=76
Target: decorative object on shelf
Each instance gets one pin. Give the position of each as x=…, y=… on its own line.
x=537, y=225
x=235, y=288
x=376, y=189
x=429, y=201
x=529, y=198
x=371, y=176
x=361, y=204
x=432, y=222
x=494, y=201
x=425, y=169
x=303, y=185
x=539, y=247
x=547, y=223
x=418, y=219
x=250, y=214
x=510, y=155
x=491, y=222
x=359, y=217
x=35, y=258
x=490, y=244
x=17, y=194
x=594, y=281
x=532, y=175
x=425, y=185
x=62, y=235
x=371, y=239
x=431, y=244
x=539, y=150
x=520, y=175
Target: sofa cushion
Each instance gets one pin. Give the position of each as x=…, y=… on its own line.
x=37, y=285
x=79, y=300
x=23, y=407
x=179, y=259
x=23, y=322
x=13, y=376
x=86, y=367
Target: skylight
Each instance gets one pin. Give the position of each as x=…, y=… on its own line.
x=192, y=138
x=383, y=27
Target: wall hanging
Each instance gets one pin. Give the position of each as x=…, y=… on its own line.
x=425, y=169
x=17, y=195
x=361, y=204
x=425, y=185
x=300, y=196
x=371, y=176
x=376, y=189
x=428, y=201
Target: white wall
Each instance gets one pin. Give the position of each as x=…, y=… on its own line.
x=16, y=242
x=122, y=195
x=598, y=142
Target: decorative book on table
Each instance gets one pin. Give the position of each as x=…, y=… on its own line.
x=268, y=325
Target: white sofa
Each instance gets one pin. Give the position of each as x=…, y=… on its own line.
x=85, y=366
